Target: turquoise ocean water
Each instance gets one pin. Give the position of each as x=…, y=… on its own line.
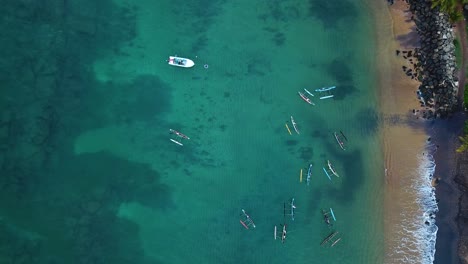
x=93, y=178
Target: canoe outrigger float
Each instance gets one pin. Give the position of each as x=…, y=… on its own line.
x=178, y=134
x=288, y=129
x=341, y=132
x=294, y=125
x=247, y=220
x=326, y=97
x=336, y=241
x=177, y=142
x=328, y=175
x=309, y=172
x=305, y=98
x=339, y=140
x=307, y=91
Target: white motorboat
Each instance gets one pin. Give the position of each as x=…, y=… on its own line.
x=180, y=62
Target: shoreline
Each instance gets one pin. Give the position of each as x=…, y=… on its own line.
x=398, y=97
x=403, y=133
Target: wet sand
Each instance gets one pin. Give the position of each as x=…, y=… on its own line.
x=403, y=135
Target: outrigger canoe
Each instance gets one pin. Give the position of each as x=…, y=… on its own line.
x=332, y=169
x=294, y=125
x=309, y=173
x=340, y=142
x=283, y=234
x=324, y=89
x=305, y=98
x=293, y=207
x=247, y=220
x=180, y=62
x=329, y=237
x=178, y=134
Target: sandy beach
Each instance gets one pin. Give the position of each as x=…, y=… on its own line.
x=403, y=134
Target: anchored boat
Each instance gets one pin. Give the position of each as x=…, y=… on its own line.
x=283, y=234
x=294, y=125
x=339, y=140
x=326, y=218
x=178, y=134
x=309, y=172
x=329, y=237
x=180, y=62
x=332, y=170
x=324, y=89
x=247, y=221
x=293, y=207
x=305, y=98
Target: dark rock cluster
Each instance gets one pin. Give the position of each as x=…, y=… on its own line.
x=436, y=60
x=408, y=55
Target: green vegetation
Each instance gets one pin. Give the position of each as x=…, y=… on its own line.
x=465, y=96
x=464, y=140
x=454, y=8
x=464, y=145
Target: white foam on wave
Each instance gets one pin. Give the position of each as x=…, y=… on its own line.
x=418, y=231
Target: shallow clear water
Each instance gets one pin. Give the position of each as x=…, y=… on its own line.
x=128, y=194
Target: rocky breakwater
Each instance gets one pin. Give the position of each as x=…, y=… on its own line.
x=436, y=60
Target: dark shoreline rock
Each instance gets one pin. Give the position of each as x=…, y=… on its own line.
x=436, y=60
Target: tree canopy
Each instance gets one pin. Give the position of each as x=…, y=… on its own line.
x=454, y=8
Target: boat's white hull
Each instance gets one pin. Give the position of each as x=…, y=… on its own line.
x=180, y=62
